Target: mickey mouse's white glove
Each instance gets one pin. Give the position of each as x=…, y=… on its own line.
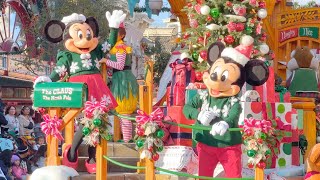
x=219, y=128
x=205, y=117
x=116, y=18
x=41, y=79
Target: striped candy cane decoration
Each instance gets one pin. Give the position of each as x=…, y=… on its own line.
x=126, y=128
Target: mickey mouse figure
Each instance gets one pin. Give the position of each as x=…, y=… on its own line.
x=219, y=106
x=80, y=61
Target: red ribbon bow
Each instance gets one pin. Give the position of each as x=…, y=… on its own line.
x=185, y=62
x=90, y=107
x=251, y=123
x=50, y=126
x=156, y=116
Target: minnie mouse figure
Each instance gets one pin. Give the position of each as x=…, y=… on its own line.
x=220, y=107
x=80, y=61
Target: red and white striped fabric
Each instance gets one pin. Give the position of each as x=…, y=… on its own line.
x=126, y=128
x=121, y=59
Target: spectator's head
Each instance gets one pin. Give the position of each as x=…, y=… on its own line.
x=25, y=110
x=15, y=160
x=10, y=110
x=40, y=140
x=5, y=157
x=23, y=151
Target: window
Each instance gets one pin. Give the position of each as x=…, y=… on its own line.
x=4, y=62
x=7, y=92
x=20, y=93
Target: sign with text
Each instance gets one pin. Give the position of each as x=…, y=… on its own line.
x=312, y=32
x=60, y=94
x=288, y=34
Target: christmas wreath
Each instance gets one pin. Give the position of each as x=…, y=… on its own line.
x=149, y=132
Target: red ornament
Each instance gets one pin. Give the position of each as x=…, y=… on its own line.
x=209, y=18
x=261, y=165
x=89, y=115
x=186, y=36
x=140, y=132
x=189, y=4
x=229, y=39
x=199, y=76
x=203, y=54
x=239, y=27
x=155, y=156
x=263, y=38
x=250, y=165
x=199, y=1
x=200, y=40
x=260, y=141
x=182, y=45
x=264, y=34
x=207, y=34
x=151, y=149
x=229, y=4
x=262, y=5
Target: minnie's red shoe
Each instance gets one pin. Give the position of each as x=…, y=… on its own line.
x=65, y=160
x=91, y=168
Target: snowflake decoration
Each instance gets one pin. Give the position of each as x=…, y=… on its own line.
x=215, y=110
x=225, y=110
x=74, y=67
x=106, y=47
x=106, y=98
x=61, y=70
x=86, y=63
x=97, y=63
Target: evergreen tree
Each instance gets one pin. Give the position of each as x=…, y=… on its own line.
x=226, y=21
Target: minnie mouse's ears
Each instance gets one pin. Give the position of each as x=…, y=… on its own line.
x=92, y=22
x=53, y=31
x=257, y=72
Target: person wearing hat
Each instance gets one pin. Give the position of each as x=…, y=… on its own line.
x=23, y=154
x=219, y=106
x=124, y=84
x=18, y=172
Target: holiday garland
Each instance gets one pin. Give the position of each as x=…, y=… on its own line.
x=149, y=134
x=255, y=134
x=95, y=122
x=225, y=21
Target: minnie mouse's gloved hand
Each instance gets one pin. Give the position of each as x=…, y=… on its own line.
x=41, y=79
x=219, y=128
x=116, y=18
x=205, y=117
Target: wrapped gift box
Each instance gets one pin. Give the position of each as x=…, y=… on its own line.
x=283, y=111
x=267, y=90
x=286, y=97
x=180, y=136
x=250, y=109
x=285, y=157
x=176, y=95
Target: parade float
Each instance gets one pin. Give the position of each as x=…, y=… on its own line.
x=272, y=122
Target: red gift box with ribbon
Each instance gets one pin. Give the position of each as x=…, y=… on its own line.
x=182, y=75
x=283, y=97
x=267, y=90
x=181, y=136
